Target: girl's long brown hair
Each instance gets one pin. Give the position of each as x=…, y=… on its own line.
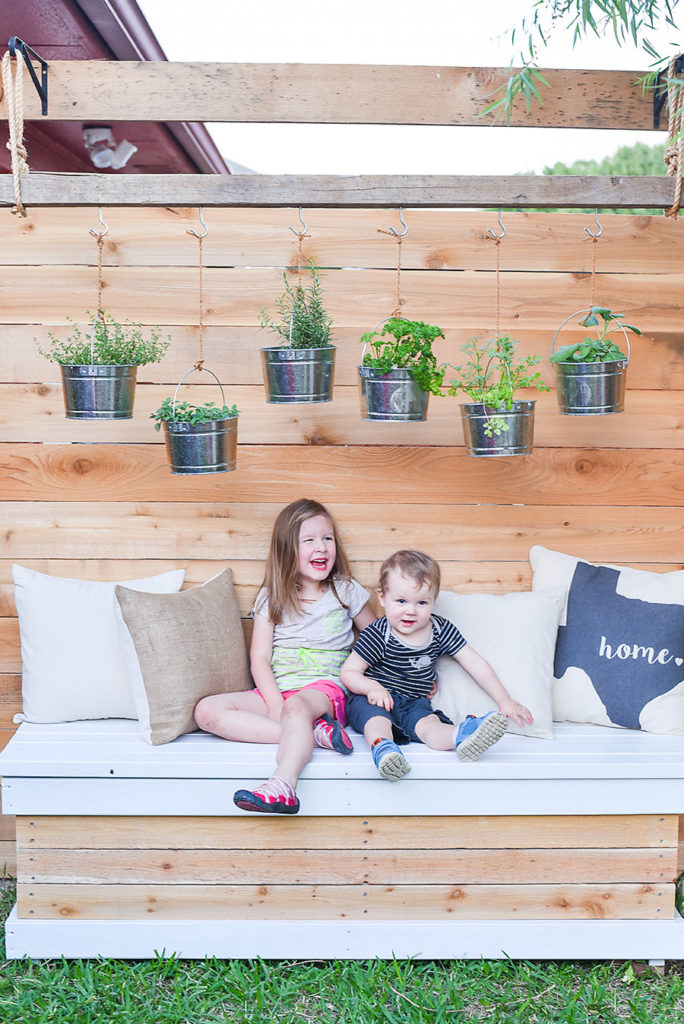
x=280, y=579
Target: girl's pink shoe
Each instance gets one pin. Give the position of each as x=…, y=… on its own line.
x=328, y=733
x=275, y=796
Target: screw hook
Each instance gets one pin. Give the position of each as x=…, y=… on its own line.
x=300, y=234
x=598, y=225
x=503, y=229
x=404, y=225
x=100, y=234
x=191, y=231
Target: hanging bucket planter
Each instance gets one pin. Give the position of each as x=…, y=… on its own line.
x=590, y=388
x=498, y=432
x=298, y=374
x=98, y=392
x=207, y=446
x=393, y=396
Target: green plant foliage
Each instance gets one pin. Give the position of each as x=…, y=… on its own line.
x=302, y=316
x=493, y=374
x=599, y=349
x=116, y=344
x=186, y=412
x=406, y=344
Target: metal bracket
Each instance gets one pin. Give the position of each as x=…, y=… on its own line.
x=41, y=87
x=660, y=90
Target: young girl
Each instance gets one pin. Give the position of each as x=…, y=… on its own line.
x=302, y=636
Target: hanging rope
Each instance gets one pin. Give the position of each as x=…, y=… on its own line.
x=13, y=91
x=594, y=243
x=674, y=150
x=100, y=281
x=397, y=300
x=199, y=365
x=498, y=286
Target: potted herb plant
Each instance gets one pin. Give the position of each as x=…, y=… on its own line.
x=302, y=370
x=99, y=372
x=591, y=374
x=199, y=438
x=400, y=371
x=494, y=421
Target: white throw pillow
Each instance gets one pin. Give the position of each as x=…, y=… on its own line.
x=73, y=664
x=620, y=649
x=516, y=633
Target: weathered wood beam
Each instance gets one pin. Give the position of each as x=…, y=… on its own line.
x=517, y=191
x=331, y=94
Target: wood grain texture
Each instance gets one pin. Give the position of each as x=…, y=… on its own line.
x=419, y=902
x=350, y=191
x=436, y=240
x=331, y=94
x=35, y=412
x=403, y=866
x=8, y=858
x=55, y=832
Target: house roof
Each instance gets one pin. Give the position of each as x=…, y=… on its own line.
x=110, y=30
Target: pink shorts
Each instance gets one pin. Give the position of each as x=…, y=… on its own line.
x=333, y=692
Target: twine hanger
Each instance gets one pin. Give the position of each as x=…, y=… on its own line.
x=13, y=90
x=497, y=240
x=100, y=237
x=674, y=149
x=199, y=365
x=300, y=242
x=594, y=243
x=399, y=237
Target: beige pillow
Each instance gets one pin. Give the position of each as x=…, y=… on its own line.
x=180, y=648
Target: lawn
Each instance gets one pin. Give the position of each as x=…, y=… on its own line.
x=333, y=992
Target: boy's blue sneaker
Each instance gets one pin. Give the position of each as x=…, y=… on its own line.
x=389, y=760
x=475, y=735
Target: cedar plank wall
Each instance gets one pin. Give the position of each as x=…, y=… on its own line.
x=96, y=499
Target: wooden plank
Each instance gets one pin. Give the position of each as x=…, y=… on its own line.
x=136, y=473
x=331, y=94
x=356, y=191
x=36, y=413
x=418, y=902
x=404, y=866
x=10, y=701
x=8, y=859
x=7, y=827
x=55, y=832
x=436, y=240
x=226, y=531
x=656, y=360
x=353, y=298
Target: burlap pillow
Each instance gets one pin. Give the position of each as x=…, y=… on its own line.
x=180, y=648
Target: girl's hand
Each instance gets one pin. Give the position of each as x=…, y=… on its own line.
x=379, y=697
x=518, y=712
x=275, y=709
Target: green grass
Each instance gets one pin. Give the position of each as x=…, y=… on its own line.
x=333, y=992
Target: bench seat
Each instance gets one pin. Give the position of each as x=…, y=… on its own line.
x=562, y=849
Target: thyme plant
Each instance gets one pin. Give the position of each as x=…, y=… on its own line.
x=303, y=320
x=186, y=412
x=115, y=344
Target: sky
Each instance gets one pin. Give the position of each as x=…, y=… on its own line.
x=440, y=32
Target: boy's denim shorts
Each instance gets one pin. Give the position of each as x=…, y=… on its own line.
x=404, y=716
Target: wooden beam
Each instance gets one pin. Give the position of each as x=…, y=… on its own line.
x=332, y=94
x=354, y=191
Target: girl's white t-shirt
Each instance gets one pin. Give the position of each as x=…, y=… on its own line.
x=323, y=625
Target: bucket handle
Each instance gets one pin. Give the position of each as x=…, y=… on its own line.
x=579, y=313
x=379, y=324
x=192, y=370
x=92, y=339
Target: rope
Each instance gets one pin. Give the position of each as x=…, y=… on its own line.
x=498, y=286
x=674, y=150
x=14, y=98
x=594, y=240
x=100, y=282
x=199, y=365
x=397, y=300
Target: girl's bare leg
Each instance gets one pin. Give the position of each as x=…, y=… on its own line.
x=238, y=716
x=297, y=742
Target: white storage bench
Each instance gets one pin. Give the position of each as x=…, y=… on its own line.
x=541, y=850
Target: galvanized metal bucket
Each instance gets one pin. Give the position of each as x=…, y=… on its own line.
x=516, y=438
x=298, y=374
x=393, y=396
x=590, y=389
x=98, y=392
x=201, y=447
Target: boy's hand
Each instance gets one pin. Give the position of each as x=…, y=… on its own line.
x=380, y=697
x=433, y=691
x=518, y=712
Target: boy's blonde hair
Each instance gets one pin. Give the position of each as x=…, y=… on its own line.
x=280, y=580
x=415, y=564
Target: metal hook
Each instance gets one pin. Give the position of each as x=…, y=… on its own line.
x=100, y=234
x=598, y=225
x=404, y=224
x=300, y=234
x=503, y=229
x=191, y=231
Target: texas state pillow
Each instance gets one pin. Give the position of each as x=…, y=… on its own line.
x=619, y=656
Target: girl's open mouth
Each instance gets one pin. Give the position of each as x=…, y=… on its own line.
x=319, y=563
